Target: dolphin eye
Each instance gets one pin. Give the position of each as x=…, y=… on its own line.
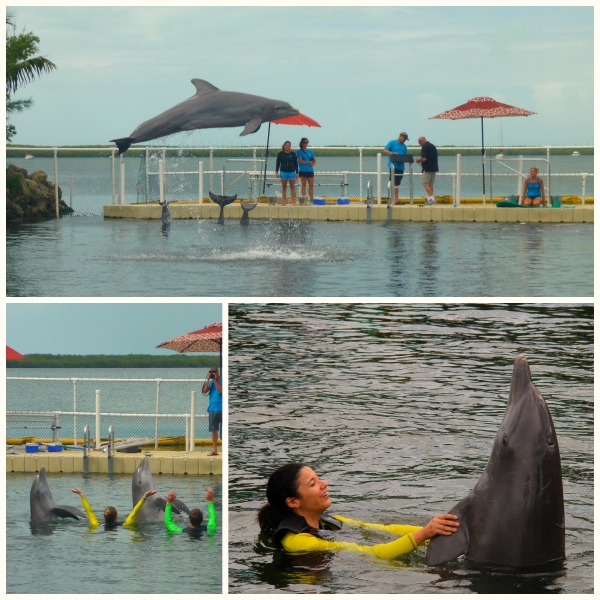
x=505, y=440
x=550, y=440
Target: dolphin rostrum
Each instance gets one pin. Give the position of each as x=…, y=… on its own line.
x=515, y=514
x=222, y=201
x=247, y=207
x=43, y=507
x=154, y=506
x=210, y=107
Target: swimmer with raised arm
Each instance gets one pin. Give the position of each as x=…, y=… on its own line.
x=196, y=517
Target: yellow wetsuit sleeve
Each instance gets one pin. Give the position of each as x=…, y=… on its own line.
x=90, y=513
x=395, y=529
x=306, y=542
x=130, y=520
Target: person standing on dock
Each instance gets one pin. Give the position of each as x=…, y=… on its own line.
x=429, y=164
x=213, y=386
x=306, y=163
x=286, y=169
x=396, y=169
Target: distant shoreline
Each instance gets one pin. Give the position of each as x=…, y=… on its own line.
x=131, y=361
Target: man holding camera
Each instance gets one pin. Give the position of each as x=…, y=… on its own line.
x=214, y=388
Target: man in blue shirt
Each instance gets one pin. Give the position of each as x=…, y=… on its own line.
x=214, y=387
x=396, y=147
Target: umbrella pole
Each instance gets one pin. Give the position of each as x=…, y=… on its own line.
x=483, y=160
x=266, y=159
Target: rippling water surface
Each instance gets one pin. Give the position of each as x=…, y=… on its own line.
x=89, y=256
x=397, y=408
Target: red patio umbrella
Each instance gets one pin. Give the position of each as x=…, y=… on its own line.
x=208, y=339
x=12, y=354
x=298, y=119
x=480, y=108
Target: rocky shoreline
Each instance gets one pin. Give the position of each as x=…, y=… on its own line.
x=30, y=198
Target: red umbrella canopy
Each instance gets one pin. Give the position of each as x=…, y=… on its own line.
x=207, y=339
x=12, y=354
x=298, y=119
x=483, y=107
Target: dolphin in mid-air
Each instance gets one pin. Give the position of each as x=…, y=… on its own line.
x=210, y=107
x=515, y=514
x=154, y=506
x=43, y=507
x=222, y=201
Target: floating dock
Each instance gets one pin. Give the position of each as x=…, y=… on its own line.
x=478, y=213
x=162, y=462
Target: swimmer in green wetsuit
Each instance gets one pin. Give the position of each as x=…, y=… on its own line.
x=195, y=527
x=293, y=518
x=110, y=512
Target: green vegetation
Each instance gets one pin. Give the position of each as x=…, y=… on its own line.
x=22, y=67
x=134, y=361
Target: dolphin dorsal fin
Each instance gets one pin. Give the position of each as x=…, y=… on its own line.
x=203, y=87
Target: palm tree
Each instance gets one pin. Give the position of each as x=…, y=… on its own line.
x=22, y=67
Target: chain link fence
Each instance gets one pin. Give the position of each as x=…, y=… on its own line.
x=91, y=178
x=57, y=409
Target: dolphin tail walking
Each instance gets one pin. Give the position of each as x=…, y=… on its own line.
x=123, y=144
x=222, y=201
x=247, y=207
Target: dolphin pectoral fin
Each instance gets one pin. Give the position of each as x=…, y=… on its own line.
x=123, y=143
x=202, y=87
x=252, y=126
x=180, y=507
x=67, y=512
x=443, y=548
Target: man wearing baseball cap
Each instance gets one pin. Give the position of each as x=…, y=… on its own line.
x=396, y=147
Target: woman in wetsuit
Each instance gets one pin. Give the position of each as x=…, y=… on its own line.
x=286, y=169
x=533, y=190
x=293, y=518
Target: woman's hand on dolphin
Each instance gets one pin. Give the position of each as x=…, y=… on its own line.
x=445, y=524
x=149, y=493
x=171, y=496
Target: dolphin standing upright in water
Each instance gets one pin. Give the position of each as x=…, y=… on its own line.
x=247, y=207
x=43, y=507
x=154, y=506
x=222, y=201
x=210, y=107
x=515, y=514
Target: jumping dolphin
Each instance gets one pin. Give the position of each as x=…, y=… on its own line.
x=43, y=507
x=515, y=514
x=154, y=506
x=222, y=201
x=210, y=107
x=247, y=207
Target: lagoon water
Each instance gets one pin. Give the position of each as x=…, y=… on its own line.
x=68, y=558
x=397, y=407
x=89, y=256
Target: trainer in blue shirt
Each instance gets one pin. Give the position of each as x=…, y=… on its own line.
x=396, y=147
x=213, y=385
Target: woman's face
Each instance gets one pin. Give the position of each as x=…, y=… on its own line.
x=313, y=494
x=287, y=147
x=533, y=172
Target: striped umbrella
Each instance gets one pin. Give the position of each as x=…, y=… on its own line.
x=483, y=107
x=208, y=339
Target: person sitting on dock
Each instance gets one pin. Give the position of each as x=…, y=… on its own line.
x=110, y=512
x=195, y=527
x=533, y=190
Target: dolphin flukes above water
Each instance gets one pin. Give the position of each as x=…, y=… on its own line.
x=247, y=207
x=154, y=506
x=222, y=201
x=42, y=505
x=208, y=108
x=515, y=514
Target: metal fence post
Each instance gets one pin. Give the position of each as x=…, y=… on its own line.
x=201, y=182
x=161, y=180
x=122, y=182
x=156, y=417
x=192, y=444
x=360, y=169
x=98, y=440
x=379, y=178
x=458, y=170
x=583, y=176
x=74, y=411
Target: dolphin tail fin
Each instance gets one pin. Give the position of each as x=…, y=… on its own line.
x=123, y=144
x=67, y=512
x=443, y=548
x=180, y=507
x=222, y=200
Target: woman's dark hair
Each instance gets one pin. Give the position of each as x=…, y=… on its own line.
x=303, y=140
x=282, y=484
x=284, y=143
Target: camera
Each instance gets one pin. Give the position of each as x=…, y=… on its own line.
x=212, y=374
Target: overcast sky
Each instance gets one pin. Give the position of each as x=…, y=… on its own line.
x=108, y=328
x=365, y=73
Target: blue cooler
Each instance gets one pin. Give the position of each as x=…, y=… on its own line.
x=55, y=447
x=32, y=447
x=343, y=200
x=319, y=201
